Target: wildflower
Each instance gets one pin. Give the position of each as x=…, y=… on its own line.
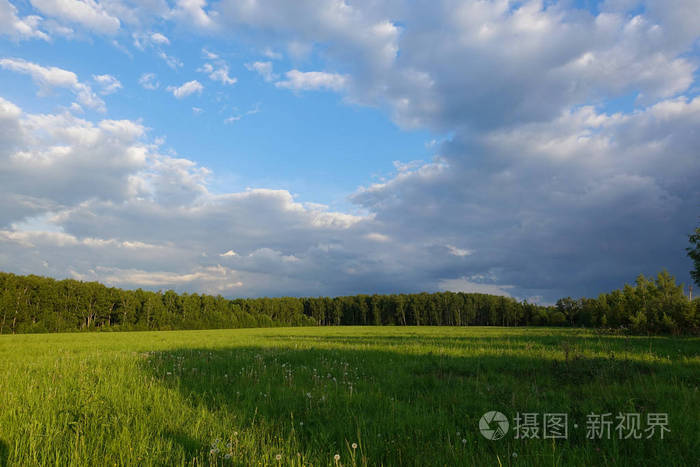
x=278, y=457
x=227, y=456
x=235, y=433
x=336, y=457
x=354, y=445
x=464, y=441
x=515, y=454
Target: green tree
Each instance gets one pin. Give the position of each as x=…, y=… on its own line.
x=694, y=253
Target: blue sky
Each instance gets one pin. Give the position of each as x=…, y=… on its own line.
x=536, y=149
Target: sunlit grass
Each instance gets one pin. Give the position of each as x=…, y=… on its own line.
x=371, y=396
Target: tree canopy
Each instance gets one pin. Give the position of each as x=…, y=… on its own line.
x=38, y=304
x=694, y=254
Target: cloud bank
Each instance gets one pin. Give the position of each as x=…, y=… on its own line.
x=568, y=162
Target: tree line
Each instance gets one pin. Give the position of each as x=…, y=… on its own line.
x=39, y=304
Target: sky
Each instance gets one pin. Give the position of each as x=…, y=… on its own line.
x=534, y=149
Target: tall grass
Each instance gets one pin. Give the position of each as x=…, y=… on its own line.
x=371, y=396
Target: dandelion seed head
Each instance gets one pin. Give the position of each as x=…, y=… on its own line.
x=336, y=457
x=354, y=445
x=278, y=457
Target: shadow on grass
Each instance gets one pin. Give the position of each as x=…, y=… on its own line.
x=4, y=453
x=406, y=409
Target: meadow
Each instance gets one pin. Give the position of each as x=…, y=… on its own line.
x=327, y=396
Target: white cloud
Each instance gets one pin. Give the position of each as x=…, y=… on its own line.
x=218, y=73
x=378, y=237
x=82, y=172
x=154, y=41
x=108, y=83
x=151, y=39
x=88, y=13
x=186, y=89
x=528, y=61
x=193, y=12
x=158, y=38
x=149, y=81
x=271, y=54
x=348, y=31
x=221, y=75
x=19, y=28
x=48, y=78
x=264, y=69
x=235, y=118
x=209, y=55
x=467, y=286
x=51, y=161
x=458, y=251
x=172, y=62
x=312, y=81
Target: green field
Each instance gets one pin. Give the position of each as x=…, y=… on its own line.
x=299, y=396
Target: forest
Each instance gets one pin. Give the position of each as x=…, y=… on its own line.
x=34, y=304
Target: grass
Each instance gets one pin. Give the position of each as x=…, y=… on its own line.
x=405, y=396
